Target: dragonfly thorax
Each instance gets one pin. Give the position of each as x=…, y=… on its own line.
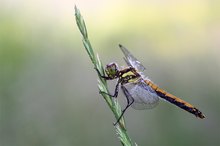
x=112, y=70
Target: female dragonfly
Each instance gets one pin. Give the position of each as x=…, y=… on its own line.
x=140, y=92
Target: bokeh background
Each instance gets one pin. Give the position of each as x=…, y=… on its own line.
x=48, y=87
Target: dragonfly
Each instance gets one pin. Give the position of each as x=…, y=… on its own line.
x=140, y=92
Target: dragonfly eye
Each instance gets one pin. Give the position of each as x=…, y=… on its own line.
x=111, y=70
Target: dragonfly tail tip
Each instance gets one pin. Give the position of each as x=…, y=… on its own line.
x=120, y=45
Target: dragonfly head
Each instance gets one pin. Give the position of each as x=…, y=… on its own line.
x=112, y=70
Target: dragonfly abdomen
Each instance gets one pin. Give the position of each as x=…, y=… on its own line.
x=175, y=100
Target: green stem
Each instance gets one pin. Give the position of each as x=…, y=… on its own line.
x=112, y=103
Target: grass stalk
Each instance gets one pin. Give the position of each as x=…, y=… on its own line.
x=102, y=84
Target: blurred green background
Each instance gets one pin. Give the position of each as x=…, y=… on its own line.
x=48, y=87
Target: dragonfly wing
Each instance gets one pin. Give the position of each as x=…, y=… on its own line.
x=131, y=60
x=143, y=95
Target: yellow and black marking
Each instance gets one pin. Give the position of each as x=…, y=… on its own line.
x=175, y=100
x=128, y=75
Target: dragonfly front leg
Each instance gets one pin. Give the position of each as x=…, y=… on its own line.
x=130, y=101
x=105, y=77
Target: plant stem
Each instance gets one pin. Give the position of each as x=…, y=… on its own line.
x=102, y=84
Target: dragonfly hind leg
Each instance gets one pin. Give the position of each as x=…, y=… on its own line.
x=130, y=101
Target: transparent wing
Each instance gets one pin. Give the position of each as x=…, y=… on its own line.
x=131, y=60
x=143, y=95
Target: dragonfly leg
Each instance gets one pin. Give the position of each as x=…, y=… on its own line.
x=130, y=101
x=105, y=77
x=116, y=90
